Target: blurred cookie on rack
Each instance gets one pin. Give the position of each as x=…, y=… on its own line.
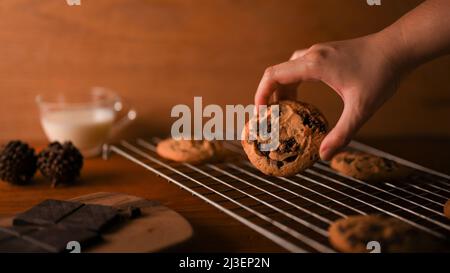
x=353, y=234
x=447, y=209
x=367, y=167
x=191, y=151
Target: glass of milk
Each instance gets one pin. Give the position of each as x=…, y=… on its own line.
x=87, y=119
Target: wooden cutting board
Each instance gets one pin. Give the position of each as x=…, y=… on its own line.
x=156, y=229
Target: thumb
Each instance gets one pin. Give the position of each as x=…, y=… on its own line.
x=349, y=122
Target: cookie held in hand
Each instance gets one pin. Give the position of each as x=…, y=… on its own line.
x=190, y=151
x=302, y=127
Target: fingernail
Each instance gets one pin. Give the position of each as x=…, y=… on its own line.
x=325, y=153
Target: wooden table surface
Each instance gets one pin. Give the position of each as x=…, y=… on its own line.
x=213, y=230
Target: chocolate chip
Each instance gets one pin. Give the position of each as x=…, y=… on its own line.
x=353, y=240
x=130, y=212
x=374, y=228
x=312, y=122
x=280, y=164
x=291, y=158
x=290, y=143
x=348, y=160
x=342, y=229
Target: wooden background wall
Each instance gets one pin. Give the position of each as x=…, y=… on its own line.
x=158, y=53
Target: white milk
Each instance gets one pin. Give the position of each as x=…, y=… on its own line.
x=87, y=128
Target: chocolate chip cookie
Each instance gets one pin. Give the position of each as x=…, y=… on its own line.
x=367, y=167
x=353, y=233
x=301, y=130
x=190, y=151
x=447, y=209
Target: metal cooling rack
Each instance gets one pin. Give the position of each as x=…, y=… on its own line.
x=296, y=212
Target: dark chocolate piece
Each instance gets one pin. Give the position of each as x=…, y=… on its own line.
x=55, y=238
x=130, y=212
x=43, y=239
x=5, y=234
x=92, y=217
x=46, y=213
x=19, y=245
x=50, y=225
x=19, y=230
x=11, y=241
